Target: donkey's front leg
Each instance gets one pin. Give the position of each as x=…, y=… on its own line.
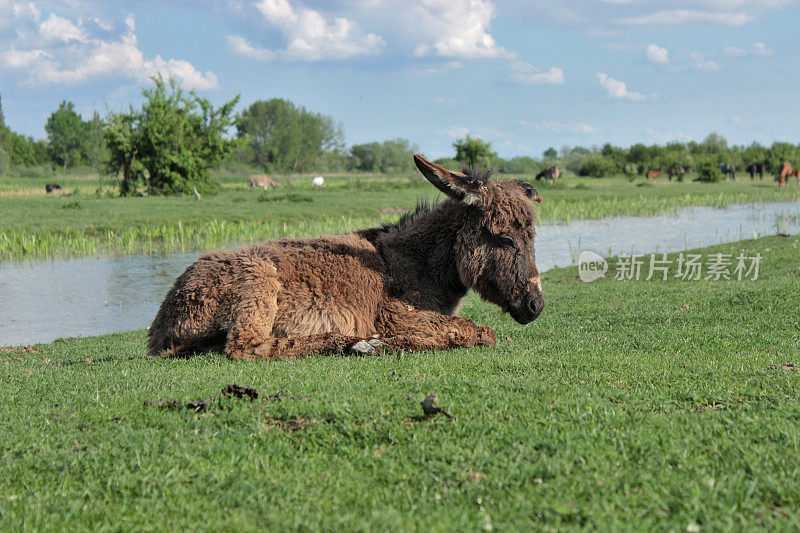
x=292, y=347
x=401, y=326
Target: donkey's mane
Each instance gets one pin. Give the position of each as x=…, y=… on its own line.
x=477, y=175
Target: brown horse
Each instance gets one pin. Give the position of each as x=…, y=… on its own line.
x=653, y=173
x=261, y=180
x=550, y=173
x=395, y=286
x=784, y=173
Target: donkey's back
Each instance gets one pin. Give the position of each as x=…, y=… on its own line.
x=292, y=288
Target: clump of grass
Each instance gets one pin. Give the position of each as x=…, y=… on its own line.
x=291, y=197
x=74, y=204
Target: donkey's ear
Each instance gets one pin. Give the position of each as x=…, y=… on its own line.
x=529, y=190
x=454, y=184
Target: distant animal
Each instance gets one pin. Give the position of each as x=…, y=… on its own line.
x=261, y=180
x=393, y=286
x=52, y=187
x=784, y=173
x=653, y=173
x=318, y=181
x=755, y=168
x=550, y=173
x=728, y=170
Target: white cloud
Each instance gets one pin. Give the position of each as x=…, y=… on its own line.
x=656, y=54
x=310, y=37
x=526, y=74
x=761, y=50
x=241, y=47
x=456, y=132
x=700, y=61
x=677, y=17
x=454, y=28
x=604, y=17
x=61, y=29
x=558, y=127
x=60, y=50
x=664, y=137
x=734, y=51
x=618, y=89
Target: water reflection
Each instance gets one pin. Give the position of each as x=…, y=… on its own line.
x=43, y=300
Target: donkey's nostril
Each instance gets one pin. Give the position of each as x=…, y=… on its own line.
x=536, y=305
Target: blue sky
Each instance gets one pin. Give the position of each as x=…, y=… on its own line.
x=522, y=74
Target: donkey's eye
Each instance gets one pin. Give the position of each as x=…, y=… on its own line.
x=505, y=240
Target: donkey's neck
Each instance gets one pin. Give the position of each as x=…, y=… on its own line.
x=421, y=260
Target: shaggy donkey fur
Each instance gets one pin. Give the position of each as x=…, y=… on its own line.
x=399, y=283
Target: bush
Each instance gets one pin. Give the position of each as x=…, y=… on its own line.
x=596, y=166
x=41, y=171
x=5, y=161
x=708, y=172
x=631, y=170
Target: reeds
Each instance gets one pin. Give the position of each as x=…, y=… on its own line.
x=204, y=235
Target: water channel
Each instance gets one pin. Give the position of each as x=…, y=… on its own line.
x=44, y=300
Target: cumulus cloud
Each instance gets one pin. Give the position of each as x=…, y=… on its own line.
x=700, y=61
x=61, y=29
x=239, y=46
x=761, y=50
x=60, y=50
x=455, y=29
x=526, y=74
x=734, y=51
x=656, y=54
x=618, y=89
x=309, y=36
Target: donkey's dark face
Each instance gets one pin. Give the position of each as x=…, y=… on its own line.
x=495, y=241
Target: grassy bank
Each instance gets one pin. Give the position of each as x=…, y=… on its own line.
x=626, y=406
x=85, y=221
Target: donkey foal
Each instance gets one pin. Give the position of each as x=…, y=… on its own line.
x=395, y=286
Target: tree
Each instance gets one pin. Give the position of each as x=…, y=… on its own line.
x=390, y=156
x=471, y=151
x=94, y=142
x=550, y=153
x=170, y=143
x=5, y=161
x=65, y=135
x=20, y=150
x=287, y=138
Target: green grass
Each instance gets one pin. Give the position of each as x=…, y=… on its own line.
x=626, y=406
x=85, y=222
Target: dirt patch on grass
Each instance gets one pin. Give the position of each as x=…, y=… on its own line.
x=785, y=366
x=230, y=391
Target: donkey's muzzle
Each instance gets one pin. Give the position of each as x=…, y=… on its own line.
x=528, y=309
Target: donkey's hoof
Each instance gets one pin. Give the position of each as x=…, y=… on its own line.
x=361, y=348
x=380, y=346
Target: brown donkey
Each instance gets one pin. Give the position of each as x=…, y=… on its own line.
x=396, y=286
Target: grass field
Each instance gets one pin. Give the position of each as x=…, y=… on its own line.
x=85, y=221
x=626, y=406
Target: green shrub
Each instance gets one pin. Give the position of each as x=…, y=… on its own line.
x=5, y=161
x=708, y=172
